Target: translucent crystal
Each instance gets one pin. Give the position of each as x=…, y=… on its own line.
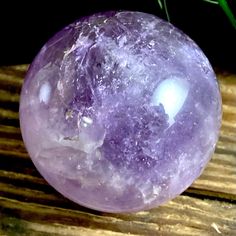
x=120, y=111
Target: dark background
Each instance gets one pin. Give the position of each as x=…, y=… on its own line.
x=26, y=26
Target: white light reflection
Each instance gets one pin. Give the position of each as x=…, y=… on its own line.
x=171, y=93
x=44, y=93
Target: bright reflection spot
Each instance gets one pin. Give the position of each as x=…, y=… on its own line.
x=87, y=121
x=171, y=93
x=44, y=93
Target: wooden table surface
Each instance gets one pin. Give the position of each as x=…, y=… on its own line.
x=29, y=206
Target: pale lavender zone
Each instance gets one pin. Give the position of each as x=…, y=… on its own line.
x=120, y=111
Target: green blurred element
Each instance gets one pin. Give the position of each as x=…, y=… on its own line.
x=211, y=1
x=162, y=4
x=222, y=3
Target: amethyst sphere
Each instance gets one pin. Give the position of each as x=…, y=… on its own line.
x=120, y=111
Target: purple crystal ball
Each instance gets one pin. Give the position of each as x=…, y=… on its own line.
x=120, y=111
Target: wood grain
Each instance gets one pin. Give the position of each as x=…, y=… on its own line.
x=29, y=206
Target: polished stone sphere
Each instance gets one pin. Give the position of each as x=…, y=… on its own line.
x=120, y=111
